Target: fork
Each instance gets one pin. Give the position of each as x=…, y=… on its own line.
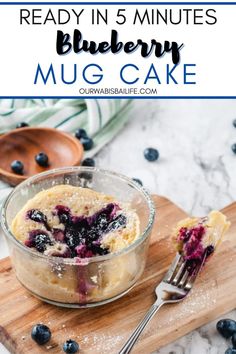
x=175, y=286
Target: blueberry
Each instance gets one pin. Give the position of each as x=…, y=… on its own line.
x=230, y=351
x=226, y=327
x=70, y=346
x=151, y=154
x=88, y=162
x=63, y=213
x=38, y=239
x=17, y=167
x=119, y=222
x=209, y=250
x=36, y=215
x=22, y=125
x=234, y=340
x=42, y=159
x=137, y=180
x=41, y=334
x=41, y=241
x=234, y=123
x=87, y=143
x=98, y=250
x=80, y=133
x=233, y=147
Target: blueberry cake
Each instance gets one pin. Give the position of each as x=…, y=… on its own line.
x=66, y=222
x=197, y=238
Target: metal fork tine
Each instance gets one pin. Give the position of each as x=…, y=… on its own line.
x=179, y=274
x=191, y=279
x=183, y=279
x=171, y=271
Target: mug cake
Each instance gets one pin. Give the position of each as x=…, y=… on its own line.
x=77, y=246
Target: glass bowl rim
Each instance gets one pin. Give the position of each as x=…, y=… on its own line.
x=74, y=261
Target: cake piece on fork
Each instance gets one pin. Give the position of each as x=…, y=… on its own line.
x=197, y=238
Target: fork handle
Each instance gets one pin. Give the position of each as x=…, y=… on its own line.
x=139, y=329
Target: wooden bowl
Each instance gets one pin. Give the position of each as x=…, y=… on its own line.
x=24, y=143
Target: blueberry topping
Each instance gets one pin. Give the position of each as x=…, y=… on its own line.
x=137, y=180
x=22, y=125
x=234, y=340
x=38, y=239
x=184, y=234
x=37, y=216
x=42, y=159
x=17, y=167
x=151, y=154
x=192, y=242
x=41, y=242
x=83, y=251
x=118, y=222
x=74, y=237
x=81, y=235
x=226, y=327
x=230, y=351
x=41, y=334
x=58, y=235
x=233, y=147
x=63, y=214
x=87, y=143
x=81, y=133
x=70, y=346
x=97, y=249
x=234, y=123
x=88, y=162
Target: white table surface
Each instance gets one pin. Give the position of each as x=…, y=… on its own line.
x=196, y=170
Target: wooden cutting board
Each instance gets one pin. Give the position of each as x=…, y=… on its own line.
x=104, y=329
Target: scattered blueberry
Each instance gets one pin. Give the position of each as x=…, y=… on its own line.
x=88, y=162
x=70, y=346
x=226, y=327
x=137, y=180
x=17, y=167
x=22, y=125
x=151, y=154
x=80, y=133
x=87, y=143
x=234, y=340
x=233, y=147
x=41, y=334
x=234, y=123
x=230, y=351
x=42, y=159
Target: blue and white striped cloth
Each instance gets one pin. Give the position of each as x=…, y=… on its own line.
x=102, y=119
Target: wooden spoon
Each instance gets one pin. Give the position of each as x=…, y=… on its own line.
x=25, y=143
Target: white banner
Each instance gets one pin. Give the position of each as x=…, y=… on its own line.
x=117, y=49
